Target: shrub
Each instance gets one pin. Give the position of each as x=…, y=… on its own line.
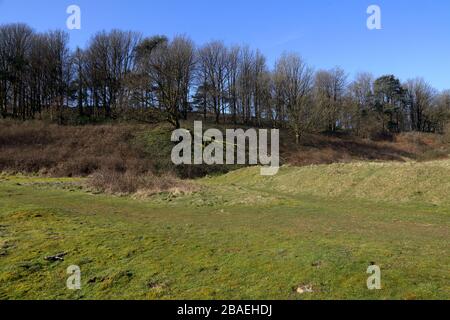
x=132, y=183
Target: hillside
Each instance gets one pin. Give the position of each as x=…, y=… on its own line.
x=127, y=151
x=421, y=182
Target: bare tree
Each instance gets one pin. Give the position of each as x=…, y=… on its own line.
x=246, y=80
x=260, y=85
x=294, y=79
x=170, y=68
x=232, y=80
x=120, y=75
x=110, y=58
x=16, y=42
x=330, y=87
x=213, y=61
x=361, y=103
x=182, y=51
x=60, y=69
x=420, y=96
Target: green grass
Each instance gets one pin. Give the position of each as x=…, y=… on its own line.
x=242, y=237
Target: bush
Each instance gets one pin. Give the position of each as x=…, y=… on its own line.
x=132, y=183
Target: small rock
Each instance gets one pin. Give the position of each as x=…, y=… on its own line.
x=305, y=289
x=57, y=257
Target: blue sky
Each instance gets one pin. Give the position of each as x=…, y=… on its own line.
x=414, y=41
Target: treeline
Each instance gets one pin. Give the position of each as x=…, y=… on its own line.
x=122, y=75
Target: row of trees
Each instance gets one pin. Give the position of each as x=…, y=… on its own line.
x=122, y=74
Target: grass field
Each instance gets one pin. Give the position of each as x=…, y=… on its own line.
x=241, y=236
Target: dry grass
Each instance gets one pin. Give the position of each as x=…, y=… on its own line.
x=68, y=151
x=141, y=185
x=322, y=149
x=396, y=182
x=424, y=146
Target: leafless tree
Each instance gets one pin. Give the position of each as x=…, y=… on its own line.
x=110, y=58
x=169, y=66
x=294, y=79
x=360, y=103
x=213, y=63
x=420, y=100
x=119, y=74
x=330, y=89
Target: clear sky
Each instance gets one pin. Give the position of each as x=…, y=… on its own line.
x=414, y=41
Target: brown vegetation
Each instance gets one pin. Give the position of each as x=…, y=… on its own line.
x=323, y=149
x=68, y=151
x=127, y=159
x=106, y=154
x=130, y=182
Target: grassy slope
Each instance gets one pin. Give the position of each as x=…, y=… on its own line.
x=425, y=182
x=244, y=236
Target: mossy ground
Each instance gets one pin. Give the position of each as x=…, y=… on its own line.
x=241, y=237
